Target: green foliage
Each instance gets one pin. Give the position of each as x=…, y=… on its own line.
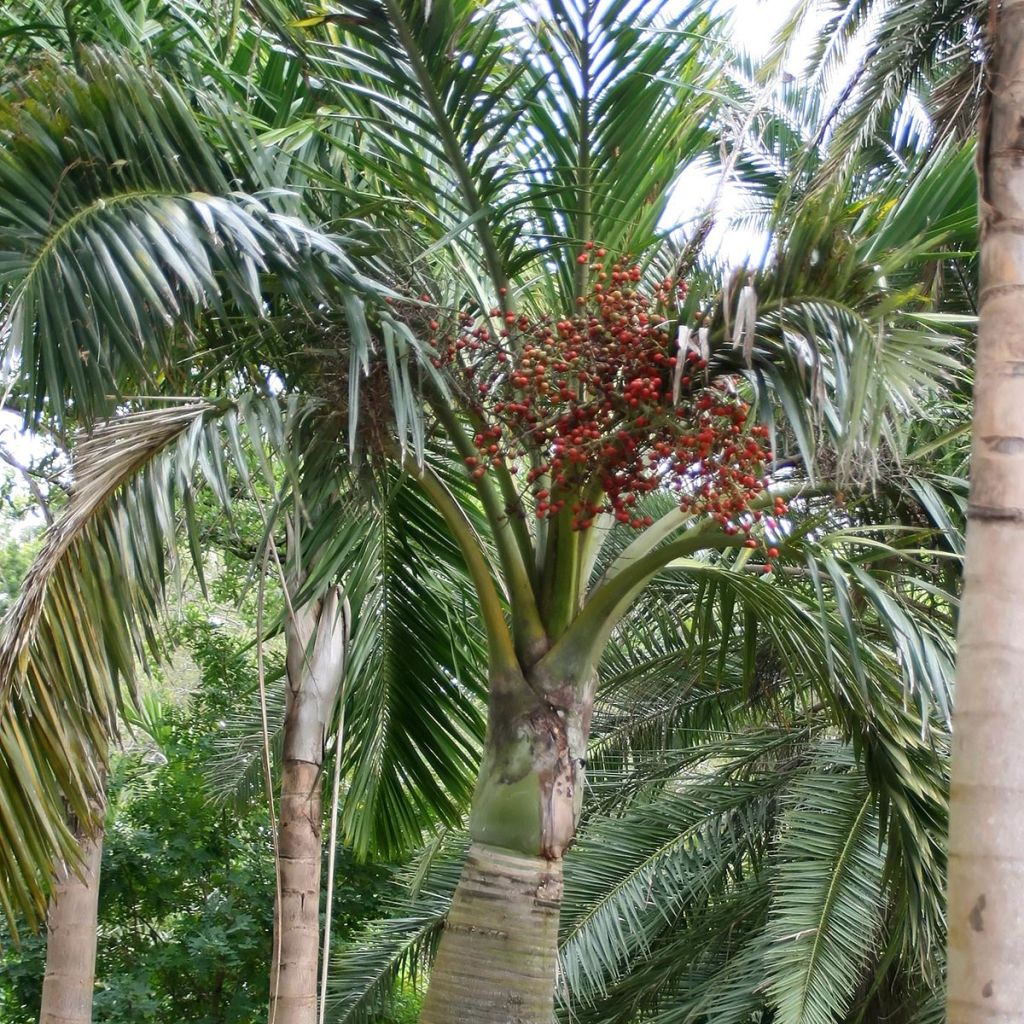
x=187, y=888
x=726, y=876
x=16, y=554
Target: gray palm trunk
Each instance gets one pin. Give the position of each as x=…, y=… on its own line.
x=317, y=636
x=71, y=919
x=986, y=844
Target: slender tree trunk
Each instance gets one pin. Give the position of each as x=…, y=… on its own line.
x=71, y=938
x=986, y=847
x=297, y=918
x=498, y=955
x=317, y=637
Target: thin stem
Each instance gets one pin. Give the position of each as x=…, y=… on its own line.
x=268, y=779
x=583, y=197
x=530, y=635
x=560, y=584
x=499, y=641
x=229, y=43
x=675, y=520
x=332, y=850
x=515, y=514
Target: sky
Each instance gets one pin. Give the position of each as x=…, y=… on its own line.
x=754, y=25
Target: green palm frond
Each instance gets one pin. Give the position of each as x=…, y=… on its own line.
x=826, y=911
x=525, y=145
x=432, y=131
x=601, y=70
x=169, y=33
x=415, y=677
x=636, y=876
x=119, y=225
x=402, y=945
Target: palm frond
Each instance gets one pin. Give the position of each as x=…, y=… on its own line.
x=826, y=911
x=82, y=618
x=402, y=945
x=415, y=677
x=933, y=50
x=119, y=225
x=89, y=611
x=638, y=875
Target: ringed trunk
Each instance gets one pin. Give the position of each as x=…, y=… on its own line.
x=986, y=855
x=71, y=938
x=317, y=636
x=293, y=998
x=498, y=955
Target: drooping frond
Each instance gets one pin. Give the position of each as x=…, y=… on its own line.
x=415, y=683
x=930, y=51
x=82, y=618
x=827, y=908
x=120, y=224
x=89, y=611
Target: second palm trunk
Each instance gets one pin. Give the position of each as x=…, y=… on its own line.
x=316, y=638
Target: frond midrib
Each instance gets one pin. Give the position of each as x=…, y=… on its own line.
x=54, y=240
x=830, y=898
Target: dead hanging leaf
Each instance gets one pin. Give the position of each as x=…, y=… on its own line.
x=746, y=323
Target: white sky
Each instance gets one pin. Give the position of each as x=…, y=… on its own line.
x=754, y=23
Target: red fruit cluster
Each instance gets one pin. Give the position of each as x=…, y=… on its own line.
x=587, y=402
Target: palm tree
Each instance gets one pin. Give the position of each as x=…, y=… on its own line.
x=509, y=148
x=193, y=290
x=317, y=642
x=741, y=859
x=72, y=910
x=308, y=724
x=71, y=934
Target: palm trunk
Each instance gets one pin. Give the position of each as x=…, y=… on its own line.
x=317, y=636
x=496, y=962
x=297, y=916
x=498, y=955
x=71, y=938
x=986, y=896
